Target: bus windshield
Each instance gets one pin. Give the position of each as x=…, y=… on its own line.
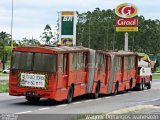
x=34, y=61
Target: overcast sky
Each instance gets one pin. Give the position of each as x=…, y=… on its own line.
x=31, y=16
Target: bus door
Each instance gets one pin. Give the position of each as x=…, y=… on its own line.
x=62, y=71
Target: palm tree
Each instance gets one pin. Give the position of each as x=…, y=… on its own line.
x=5, y=38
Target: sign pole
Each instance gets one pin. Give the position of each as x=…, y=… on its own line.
x=126, y=42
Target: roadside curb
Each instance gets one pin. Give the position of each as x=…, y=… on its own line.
x=134, y=108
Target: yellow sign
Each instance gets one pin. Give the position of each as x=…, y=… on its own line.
x=67, y=41
x=67, y=13
x=126, y=29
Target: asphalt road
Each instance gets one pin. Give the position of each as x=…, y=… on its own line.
x=83, y=104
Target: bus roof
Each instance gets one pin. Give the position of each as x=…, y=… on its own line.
x=60, y=49
x=119, y=53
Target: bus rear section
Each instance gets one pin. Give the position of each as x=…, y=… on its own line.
x=33, y=73
x=57, y=73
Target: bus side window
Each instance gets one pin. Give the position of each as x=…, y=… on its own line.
x=65, y=63
x=84, y=60
x=60, y=63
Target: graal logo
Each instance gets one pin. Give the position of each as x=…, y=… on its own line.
x=126, y=10
x=8, y=116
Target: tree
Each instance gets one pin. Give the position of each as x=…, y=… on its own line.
x=98, y=27
x=5, y=38
x=28, y=42
x=47, y=35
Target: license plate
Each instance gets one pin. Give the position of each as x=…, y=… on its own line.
x=32, y=80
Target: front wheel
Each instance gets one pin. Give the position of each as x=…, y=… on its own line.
x=149, y=85
x=141, y=85
x=32, y=99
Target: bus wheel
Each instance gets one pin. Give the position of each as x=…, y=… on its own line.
x=70, y=95
x=32, y=99
x=116, y=89
x=149, y=84
x=96, y=94
x=131, y=84
x=141, y=85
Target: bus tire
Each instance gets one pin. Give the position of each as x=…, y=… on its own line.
x=116, y=89
x=149, y=84
x=96, y=94
x=70, y=94
x=131, y=84
x=141, y=85
x=32, y=99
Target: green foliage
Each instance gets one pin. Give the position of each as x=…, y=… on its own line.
x=155, y=76
x=5, y=38
x=98, y=27
x=28, y=42
x=47, y=35
x=7, y=50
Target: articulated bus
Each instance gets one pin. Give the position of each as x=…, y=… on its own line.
x=62, y=73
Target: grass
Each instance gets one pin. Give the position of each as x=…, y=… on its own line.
x=158, y=68
x=3, y=74
x=3, y=86
x=155, y=76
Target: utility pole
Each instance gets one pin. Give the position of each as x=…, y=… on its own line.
x=104, y=42
x=126, y=42
x=114, y=39
x=89, y=37
x=12, y=26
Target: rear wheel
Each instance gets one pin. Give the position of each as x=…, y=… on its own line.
x=70, y=95
x=96, y=94
x=32, y=99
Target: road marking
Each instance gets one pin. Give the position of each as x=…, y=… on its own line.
x=98, y=99
x=152, y=100
x=76, y=102
x=62, y=105
x=124, y=94
x=118, y=95
x=88, y=100
x=108, y=97
x=23, y=112
x=44, y=108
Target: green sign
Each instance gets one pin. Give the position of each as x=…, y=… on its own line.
x=67, y=25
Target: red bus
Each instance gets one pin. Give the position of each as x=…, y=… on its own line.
x=49, y=72
x=115, y=72
x=63, y=72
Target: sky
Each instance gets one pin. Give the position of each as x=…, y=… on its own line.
x=31, y=16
